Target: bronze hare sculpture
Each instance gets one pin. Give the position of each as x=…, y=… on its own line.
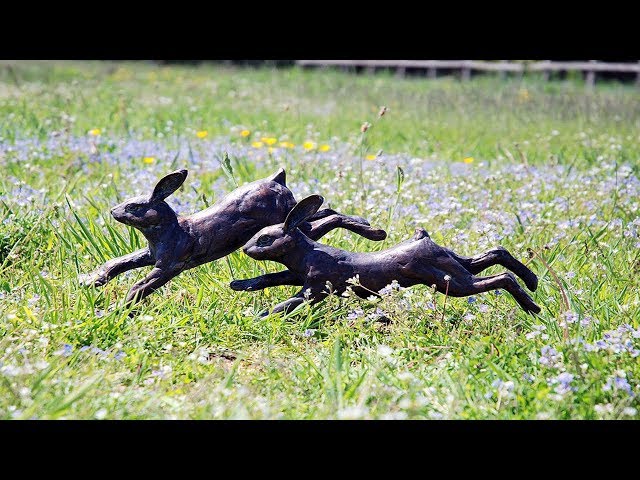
x=416, y=261
x=180, y=243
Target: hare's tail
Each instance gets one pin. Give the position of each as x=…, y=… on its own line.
x=420, y=233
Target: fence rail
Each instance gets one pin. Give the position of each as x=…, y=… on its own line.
x=590, y=68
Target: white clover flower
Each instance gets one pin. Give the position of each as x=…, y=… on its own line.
x=394, y=416
x=352, y=413
x=603, y=408
x=354, y=280
x=384, y=350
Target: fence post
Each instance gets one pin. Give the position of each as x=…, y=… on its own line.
x=400, y=72
x=591, y=76
x=466, y=72
x=432, y=72
x=546, y=74
x=638, y=75
x=502, y=73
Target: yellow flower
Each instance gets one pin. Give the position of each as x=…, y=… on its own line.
x=121, y=74
x=269, y=140
x=245, y=133
x=257, y=144
x=95, y=132
x=324, y=148
x=287, y=145
x=149, y=159
x=309, y=145
x=371, y=157
x=271, y=149
x=523, y=95
x=202, y=133
x=468, y=160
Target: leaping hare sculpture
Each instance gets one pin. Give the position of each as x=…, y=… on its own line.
x=180, y=243
x=416, y=261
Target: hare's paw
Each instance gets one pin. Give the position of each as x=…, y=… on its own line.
x=530, y=280
x=96, y=278
x=361, y=220
x=375, y=234
x=243, y=285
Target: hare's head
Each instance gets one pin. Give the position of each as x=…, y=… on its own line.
x=276, y=241
x=146, y=211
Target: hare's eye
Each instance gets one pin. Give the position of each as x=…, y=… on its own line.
x=130, y=208
x=264, y=240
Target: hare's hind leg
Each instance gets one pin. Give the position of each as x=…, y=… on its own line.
x=471, y=285
x=320, y=227
x=461, y=283
x=116, y=266
x=497, y=256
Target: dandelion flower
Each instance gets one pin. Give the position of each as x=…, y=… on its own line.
x=371, y=157
x=245, y=133
x=149, y=159
x=324, y=148
x=287, y=145
x=269, y=140
x=309, y=145
x=468, y=160
x=202, y=133
x=257, y=144
x=95, y=132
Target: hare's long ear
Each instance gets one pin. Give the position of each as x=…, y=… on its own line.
x=303, y=210
x=280, y=177
x=167, y=185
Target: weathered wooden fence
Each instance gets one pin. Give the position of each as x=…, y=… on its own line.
x=431, y=67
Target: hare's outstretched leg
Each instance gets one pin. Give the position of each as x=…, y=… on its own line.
x=156, y=278
x=321, y=227
x=497, y=256
x=116, y=266
x=470, y=285
x=286, y=277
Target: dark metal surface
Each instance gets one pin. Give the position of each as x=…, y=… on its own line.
x=180, y=243
x=416, y=261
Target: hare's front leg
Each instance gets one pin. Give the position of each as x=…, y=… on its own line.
x=286, y=277
x=116, y=266
x=288, y=305
x=156, y=278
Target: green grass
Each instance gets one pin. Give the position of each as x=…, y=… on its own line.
x=554, y=171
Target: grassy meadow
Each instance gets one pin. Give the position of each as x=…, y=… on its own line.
x=549, y=170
